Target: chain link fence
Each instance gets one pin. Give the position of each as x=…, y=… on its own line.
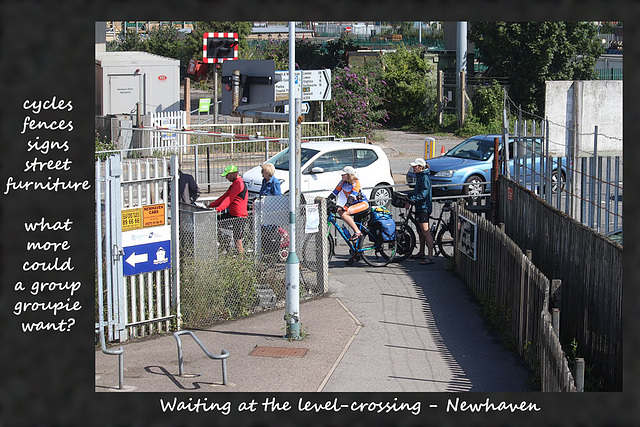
x=219, y=282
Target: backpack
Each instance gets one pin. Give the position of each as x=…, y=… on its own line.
x=381, y=224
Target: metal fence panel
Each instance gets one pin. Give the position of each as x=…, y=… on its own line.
x=220, y=283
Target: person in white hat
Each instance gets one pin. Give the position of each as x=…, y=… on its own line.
x=356, y=200
x=421, y=198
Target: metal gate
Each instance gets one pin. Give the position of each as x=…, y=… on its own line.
x=137, y=293
x=163, y=141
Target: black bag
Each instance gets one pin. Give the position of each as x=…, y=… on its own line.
x=399, y=200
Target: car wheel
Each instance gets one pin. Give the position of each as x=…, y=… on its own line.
x=557, y=179
x=381, y=196
x=473, y=186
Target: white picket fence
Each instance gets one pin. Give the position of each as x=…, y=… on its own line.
x=169, y=120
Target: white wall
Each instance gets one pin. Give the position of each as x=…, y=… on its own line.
x=588, y=104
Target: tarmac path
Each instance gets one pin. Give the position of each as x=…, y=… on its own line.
x=421, y=332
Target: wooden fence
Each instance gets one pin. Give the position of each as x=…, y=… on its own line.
x=590, y=269
x=555, y=374
x=516, y=295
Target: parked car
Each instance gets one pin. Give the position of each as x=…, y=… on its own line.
x=322, y=163
x=616, y=236
x=471, y=161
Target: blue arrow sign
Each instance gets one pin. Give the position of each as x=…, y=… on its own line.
x=146, y=250
x=147, y=258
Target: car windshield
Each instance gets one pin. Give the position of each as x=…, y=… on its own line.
x=475, y=149
x=281, y=160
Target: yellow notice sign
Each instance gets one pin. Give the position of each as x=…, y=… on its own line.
x=153, y=215
x=131, y=219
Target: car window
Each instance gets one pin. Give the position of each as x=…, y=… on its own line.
x=334, y=160
x=511, y=152
x=281, y=160
x=476, y=149
x=526, y=147
x=364, y=157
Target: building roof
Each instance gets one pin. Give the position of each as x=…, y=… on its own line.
x=279, y=29
x=133, y=58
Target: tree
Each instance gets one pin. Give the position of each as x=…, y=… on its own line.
x=131, y=42
x=410, y=85
x=408, y=30
x=530, y=53
x=309, y=55
x=164, y=41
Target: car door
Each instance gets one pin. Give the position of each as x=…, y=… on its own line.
x=325, y=172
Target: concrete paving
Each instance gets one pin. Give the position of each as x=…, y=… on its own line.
x=400, y=328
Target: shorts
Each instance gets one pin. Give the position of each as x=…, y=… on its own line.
x=236, y=223
x=423, y=217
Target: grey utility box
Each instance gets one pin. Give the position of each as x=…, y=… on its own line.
x=126, y=79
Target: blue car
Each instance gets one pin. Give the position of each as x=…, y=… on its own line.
x=466, y=168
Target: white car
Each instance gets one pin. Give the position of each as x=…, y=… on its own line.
x=322, y=163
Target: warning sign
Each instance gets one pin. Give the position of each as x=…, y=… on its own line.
x=153, y=215
x=131, y=219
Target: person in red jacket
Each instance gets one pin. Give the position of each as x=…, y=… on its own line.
x=235, y=200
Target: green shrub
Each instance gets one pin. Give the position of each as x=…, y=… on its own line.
x=103, y=145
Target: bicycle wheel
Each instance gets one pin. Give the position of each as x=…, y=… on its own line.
x=375, y=252
x=406, y=239
x=445, y=242
x=310, y=252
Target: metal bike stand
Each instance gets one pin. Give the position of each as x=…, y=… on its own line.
x=223, y=356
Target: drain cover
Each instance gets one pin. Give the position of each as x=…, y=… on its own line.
x=278, y=352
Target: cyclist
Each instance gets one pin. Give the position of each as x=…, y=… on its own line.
x=356, y=201
x=235, y=199
x=421, y=197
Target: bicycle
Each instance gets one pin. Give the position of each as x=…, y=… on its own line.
x=442, y=229
x=369, y=246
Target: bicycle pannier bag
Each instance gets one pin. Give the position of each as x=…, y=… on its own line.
x=382, y=224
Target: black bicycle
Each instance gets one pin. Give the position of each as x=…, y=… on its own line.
x=442, y=229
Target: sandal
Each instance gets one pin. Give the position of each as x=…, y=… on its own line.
x=427, y=261
x=355, y=237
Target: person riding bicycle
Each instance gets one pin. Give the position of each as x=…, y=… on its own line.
x=356, y=201
x=349, y=187
x=421, y=198
x=235, y=199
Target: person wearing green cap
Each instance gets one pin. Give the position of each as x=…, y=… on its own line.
x=235, y=200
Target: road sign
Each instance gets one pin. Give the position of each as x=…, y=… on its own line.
x=311, y=85
x=146, y=250
x=219, y=47
x=153, y=215
x=205, y=105
x=304, y=107
x=131, y=219
x=282, y=87
x=468, y=237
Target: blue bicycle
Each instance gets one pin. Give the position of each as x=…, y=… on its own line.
x=370, y=246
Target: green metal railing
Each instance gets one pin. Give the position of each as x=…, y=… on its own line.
x=610, y=74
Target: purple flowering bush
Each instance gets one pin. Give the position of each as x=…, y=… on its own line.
x=356, y=107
